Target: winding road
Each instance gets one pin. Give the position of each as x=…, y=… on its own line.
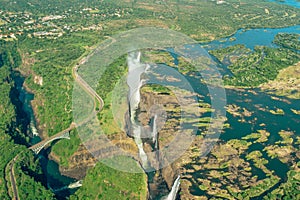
x=89, y=90
x=12, y=178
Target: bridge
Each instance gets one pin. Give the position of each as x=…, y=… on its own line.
x=63, y=134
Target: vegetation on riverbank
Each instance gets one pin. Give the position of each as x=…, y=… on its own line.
x=205, y=20
x=234, y=170
x=64, y=149
x=47, y=62
x=289, y=189
x=287, y=83
x=232, y=54
x=288, y=40
x=11, y=135
x=250, y=69
x=285, y=150
x=260, y=66
x=103, y=182
x=29, y=175
x=8, y=148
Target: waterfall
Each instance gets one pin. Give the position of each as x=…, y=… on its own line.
x=135, y=100
x=139, y=143
x=134, y=82
x=76, y=184
x=154, y=131
x=33, y=129
x=26, y=98
x=175, y=188
x=135, y=70
x=138, y=58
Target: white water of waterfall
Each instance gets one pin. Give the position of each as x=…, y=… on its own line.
x=135, y=69
x=139, y=143
x=134, y=81
x=138, y=58
x=33, y=128
x=175, y=188
x=154, y=131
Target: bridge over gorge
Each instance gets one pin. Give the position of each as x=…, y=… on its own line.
x=63, y=134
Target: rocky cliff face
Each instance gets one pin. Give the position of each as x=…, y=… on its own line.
x=83, y=159
x=166, y=106
x=79, y=162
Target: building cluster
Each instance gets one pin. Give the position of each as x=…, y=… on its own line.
x=13, y=25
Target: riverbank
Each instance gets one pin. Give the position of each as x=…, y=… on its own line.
x=201, y=20
x=287, y=83
x=25, y=72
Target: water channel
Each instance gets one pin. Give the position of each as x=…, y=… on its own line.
x=255, y=100
x=53, y=178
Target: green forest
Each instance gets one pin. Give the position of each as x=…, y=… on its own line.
x=12, y=139
x=41, y=41
x=252, y=68
x=112, y=183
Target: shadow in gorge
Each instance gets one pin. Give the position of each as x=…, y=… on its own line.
x=157, y=185
x=38, y=177
x=19, y=128
x=53, y=179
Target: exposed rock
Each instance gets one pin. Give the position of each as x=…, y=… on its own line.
x=79, y=162
x=84, y=159
x=166, y=107
x=168, y=111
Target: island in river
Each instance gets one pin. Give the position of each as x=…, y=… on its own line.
x=258, y=152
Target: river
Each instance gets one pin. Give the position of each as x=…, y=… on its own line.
x=52, y=176
x=255, y=37
x=251, y=38
x=293, y=3
x=259, y=99
x=256, y=100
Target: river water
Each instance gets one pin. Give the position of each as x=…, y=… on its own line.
x=257, y=101
x=251, y=38
x=255, y=37
x=245, y=99
x=26, y=114
x=293, y=3
x=53, y=178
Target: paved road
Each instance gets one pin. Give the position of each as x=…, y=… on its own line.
x=12, y=178
x=87, y=88
x=90, y=91
x=71, y=127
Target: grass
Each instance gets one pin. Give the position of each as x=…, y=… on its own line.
x=108, y=123
x=103, y=182
x=258, y=189
x=288, y=189
x=64, y=149
x=261, y=136
x=286, y=83
x=232, y=53
x=260, y=66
